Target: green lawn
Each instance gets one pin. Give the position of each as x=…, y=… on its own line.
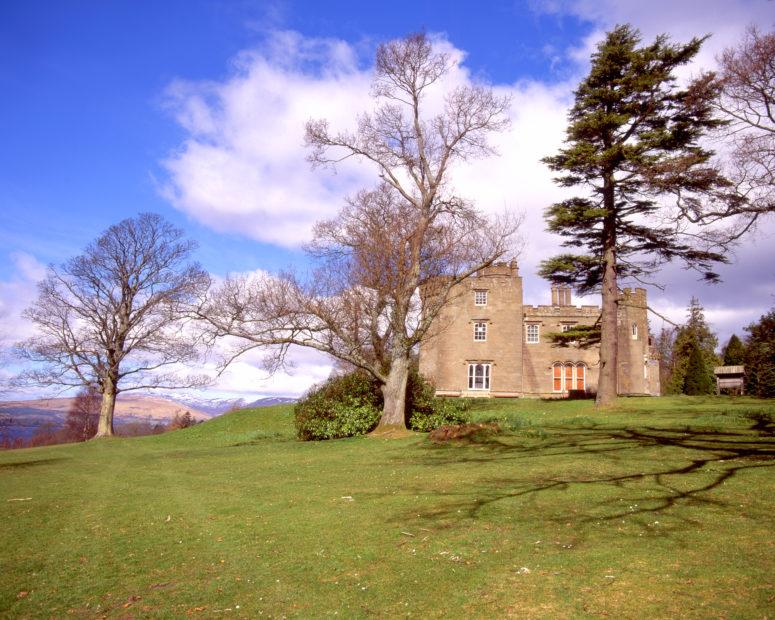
x=662, y=508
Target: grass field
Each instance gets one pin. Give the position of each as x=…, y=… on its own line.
x=662, y=508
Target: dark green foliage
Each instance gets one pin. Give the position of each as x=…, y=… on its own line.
x=343, y=406
x=734, y=352
x=632, y=142
x=351, y=404
x=760, y=357
x=425, y=411
x=698, y=380
x=583, y=336
x=695, y=333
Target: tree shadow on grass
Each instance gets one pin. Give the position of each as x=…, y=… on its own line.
x=659, y=471
x=31, y=463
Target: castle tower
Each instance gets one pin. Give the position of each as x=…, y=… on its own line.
x=475, y=348
x=636, y=373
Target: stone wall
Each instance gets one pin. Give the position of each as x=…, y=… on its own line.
x=451, y=348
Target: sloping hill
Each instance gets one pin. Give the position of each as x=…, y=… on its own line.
x=662, y=508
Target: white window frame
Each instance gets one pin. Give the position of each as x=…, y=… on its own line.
x=566, y=327
x=480, y=298
x=537, y=336
x=634, y=331
x=480, y=331
x=485, y=378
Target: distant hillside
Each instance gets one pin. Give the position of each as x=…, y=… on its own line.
x=21, y=418
x=128, y=406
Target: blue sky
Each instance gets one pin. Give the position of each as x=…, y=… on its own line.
x=85, y=126
x=194, y=109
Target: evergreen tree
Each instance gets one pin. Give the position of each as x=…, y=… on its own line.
x=698, y=380
x=633, y=143
x=734, y=352
x=760, y=357
x=695, y=332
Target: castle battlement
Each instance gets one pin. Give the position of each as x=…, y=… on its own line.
x=552, y=311
x=634, y=297
x=509, y=269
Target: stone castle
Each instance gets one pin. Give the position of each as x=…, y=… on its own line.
x=486, y=342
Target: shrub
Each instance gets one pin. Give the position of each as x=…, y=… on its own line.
x=351, y=404
x=425, y=412
x=343, y=406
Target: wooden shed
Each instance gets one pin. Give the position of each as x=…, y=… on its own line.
x=730, y=378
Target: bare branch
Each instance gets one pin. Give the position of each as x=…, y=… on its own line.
x=112, y=317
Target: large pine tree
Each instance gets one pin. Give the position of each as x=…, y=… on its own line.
x=633, y=143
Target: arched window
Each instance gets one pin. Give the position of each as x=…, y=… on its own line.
x=581, y=376
x=569, y=376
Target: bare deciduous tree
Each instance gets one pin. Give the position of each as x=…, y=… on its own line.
x=83, y=415
x=745, y=84
x=409, y=234
x=110, y=318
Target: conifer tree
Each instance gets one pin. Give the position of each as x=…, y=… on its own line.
x=632, y=143
x=734, y=352
x=695, y=332
x=698, y=380
x=760, y=357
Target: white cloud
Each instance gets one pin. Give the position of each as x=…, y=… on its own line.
x=16, y=294
x=724, y=20
x=242, y=167
x=246, y=379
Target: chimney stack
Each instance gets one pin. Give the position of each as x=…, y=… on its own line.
x=561, y=296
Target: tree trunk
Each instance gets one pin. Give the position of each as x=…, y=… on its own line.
x=394, y=395
x=108, y=406
x=607, y=381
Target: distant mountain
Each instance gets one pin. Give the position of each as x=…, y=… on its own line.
x=211, y=406
x=217, y=406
